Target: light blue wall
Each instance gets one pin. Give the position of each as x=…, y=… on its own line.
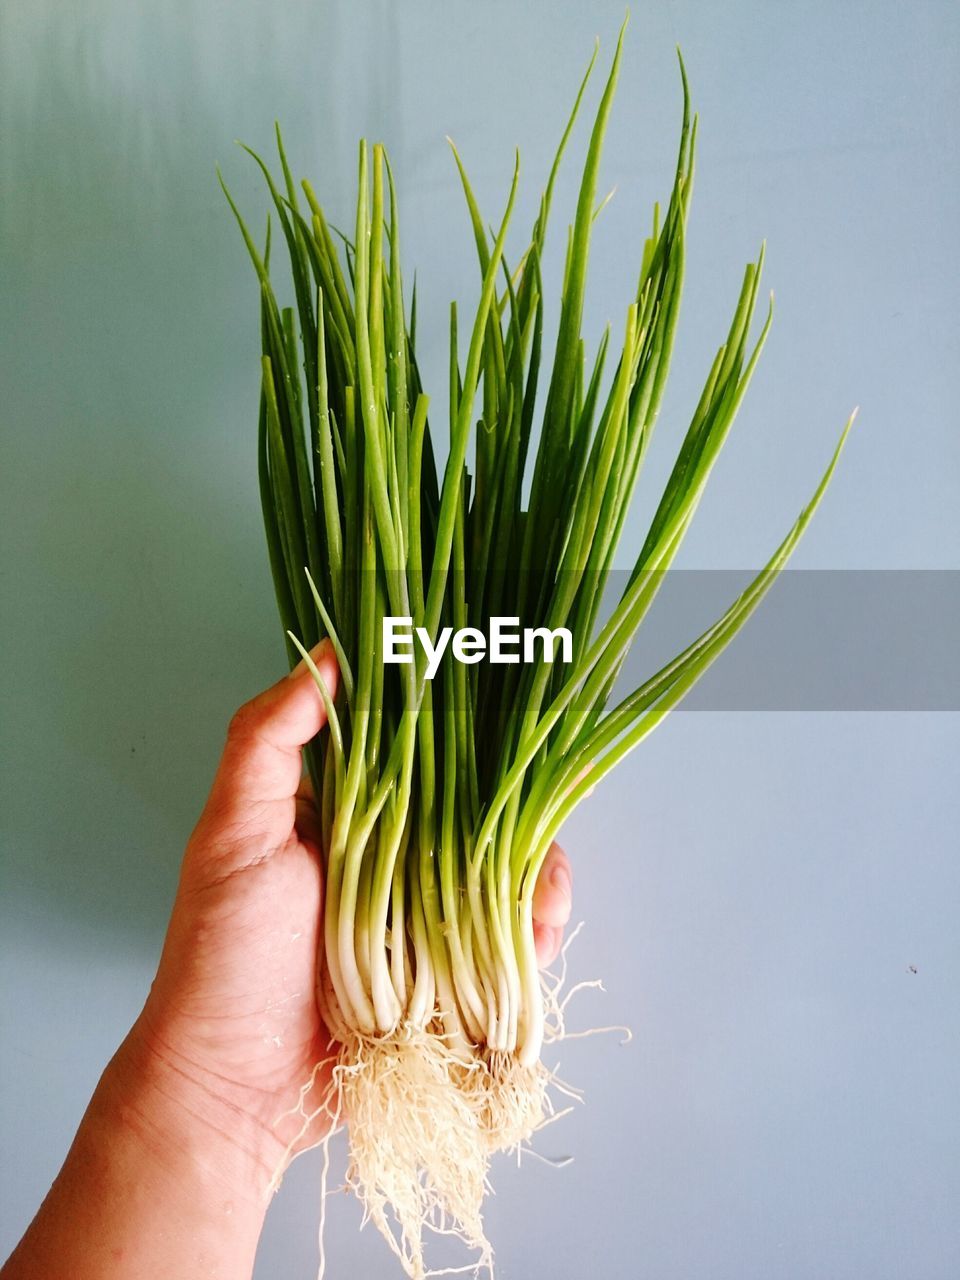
x=755, y=887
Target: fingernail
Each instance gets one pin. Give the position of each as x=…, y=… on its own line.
x=560, y=879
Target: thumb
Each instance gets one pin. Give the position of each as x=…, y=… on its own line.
x=254, y=790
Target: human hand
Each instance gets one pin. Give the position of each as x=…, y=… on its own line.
x=233, y=1004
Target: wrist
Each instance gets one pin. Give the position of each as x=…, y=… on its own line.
x=155, y=1184
x=190, y=1120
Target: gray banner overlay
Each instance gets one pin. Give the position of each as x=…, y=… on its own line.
x=821, y=640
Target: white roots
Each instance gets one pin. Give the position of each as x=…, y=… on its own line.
x=422, y=1125
x=415, y=1149
x=423, y=1121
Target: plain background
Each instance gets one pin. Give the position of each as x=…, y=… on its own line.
x=757, y=889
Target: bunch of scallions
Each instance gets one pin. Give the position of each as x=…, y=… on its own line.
x=439, y=798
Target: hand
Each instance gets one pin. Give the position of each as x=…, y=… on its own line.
x=170, y=1170
x=233, y=1003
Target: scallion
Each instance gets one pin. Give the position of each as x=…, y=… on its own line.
x=439, y=797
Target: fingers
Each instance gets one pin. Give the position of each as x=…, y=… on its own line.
x=259, y=774
x=547, y=939
x=552, y=904
x=553, y=895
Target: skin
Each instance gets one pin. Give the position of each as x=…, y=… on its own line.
x=170, y=1170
